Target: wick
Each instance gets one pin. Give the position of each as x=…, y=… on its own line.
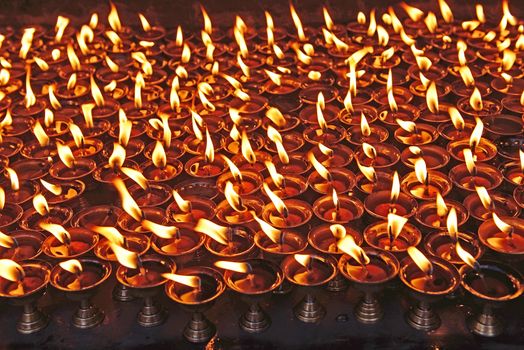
x=281, y=239
x=391, y=238
x=109, y=213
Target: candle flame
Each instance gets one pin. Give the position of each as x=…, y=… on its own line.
x=414, y=13
x=484, y=197
x=113, y=18
x=319, y=167
x=11, y=270
x=125, y=257
x=196, y=123
x=361, y=18
x=432, y=97
x=476, y=134
x=161, y=231
x=237, y=175
x=183, y=204
x=73, y=266
x=277, y=178
x=208, y=27
x=475, y=100
x=26, y=42
x=279, y=204
x=53, y=188
x=144, y=22
x=29, y=98
x=233, y=198
x=76, y=132
x=421, y=171
x=391, y=98
x=40, y=134
x=58, y=231
x=209, y=152
x=470, y=161
x=456, y=118
x=4, y=76
x=420, y=260
x=368, y=172
x=241, y=267
x=110, y=233
x=502, y=225
x=66, y=155
x=508, y=59
x=445, y=10
x=158, y=156
x=247, y=150
x=186, y=54
x=139, y=84
x=273, y=234
x=364, y=125
x=128, y=203
x=190, y=281
x=136, y=176
x=41, y=63
x=40, y=204
x=276, y=116
x=369, y=150
x=372, y=28
x=467, y=257
x=395, y=188
x=2, y=199
x=215, y=231
x=451, y=223
x=348, y=246
x=442, y=208
x=275, y=77
x=298, y=23
x=479, y=11
x=338, y=231
x=6, y=241
x=325, y=150
x=275, y=136
x=13, y=178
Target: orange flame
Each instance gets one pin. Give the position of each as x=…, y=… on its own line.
x=233, y=198
x=421, y=170
x=241, y=267
x=502, y=225
x=113, y=18
x=466, y=257
x=277, y=202
x=161, y=231
x=348, y=246
x=11, y=271
x=273, y=233
x=420, y=260
x=13, y=178
x=58, y=231
x=190, y=281
x=128, y=203
x=66, y=155
x=277, y=178
x=319, y=167
x=40, y=204
x=209, y=228
x=183, y=204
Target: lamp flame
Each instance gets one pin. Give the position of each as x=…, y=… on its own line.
x=40, y=204
x=209, y=228
x=420, y=260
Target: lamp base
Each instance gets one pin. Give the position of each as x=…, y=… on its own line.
x=309, y=310
x=151, y=314
x=122, y=293
x=423, y=318
x=87, y=315
x=368, y=310
x=199, y=329
x=32, y=320
x=485, y=324
x=255, y=320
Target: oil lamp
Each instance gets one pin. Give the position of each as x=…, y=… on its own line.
x=381, y=203
x=325, y=133
x=143, y=275
x=483, y=149
x=412, y=134
x=288, y=213
x=227, y=243
x=79, y=279
x=335, y=156
x=243, y=182
x=206, y=166
x=23, y=285
x=433, y=214
x=275, y=243
x=21, y=245
x=423, y=184
x=370, y=270
x=483, y=203
x=504, y=235
x=253, y=278
x=196, y=288
x=369, y=180
x=190, y=209
x=493, y=284
x=324, y=180
x=379, y=156
x=71, y=167
x=67, y=243
x=338, y=209
x=309, y=270
x=43, y=213
x=394, y=235
x=435, y=157
x=470, y=175
x=428, y=280
x=443, y=244
x=236, y=210
x=284, y=187
x=182, y=246
x=358, y=134
x=159, y=169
